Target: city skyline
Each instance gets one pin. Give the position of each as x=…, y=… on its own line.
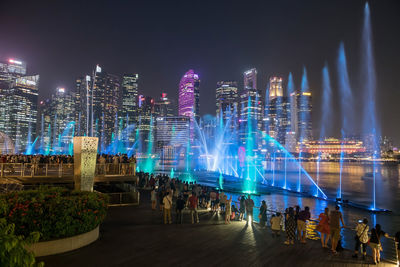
x=316, y=45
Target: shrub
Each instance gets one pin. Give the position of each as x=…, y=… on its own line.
x=12, y=247
x=54, y=212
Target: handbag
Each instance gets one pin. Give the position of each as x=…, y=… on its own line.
x=357, y=237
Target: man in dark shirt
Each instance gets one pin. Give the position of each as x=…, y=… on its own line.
x=180, y=205
x=304, y=216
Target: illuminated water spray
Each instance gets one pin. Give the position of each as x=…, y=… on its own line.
x=346, y=103
x=368, y=77
x=326, y=109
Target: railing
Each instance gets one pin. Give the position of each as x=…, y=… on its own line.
x=389, y=244
x=61, y=169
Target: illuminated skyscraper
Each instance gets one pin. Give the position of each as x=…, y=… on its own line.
x=171, y=138
x=189, y=98
x=56, y=118
x=227, y=103
x=163, y=107
x=303, y=109
x=18, y=111
x=83, y=105
x=129, y=101
x=97, y=98
x=250, y=79
x=277, y=120
x=250, y=108
x=10, y=70
x=145, y=122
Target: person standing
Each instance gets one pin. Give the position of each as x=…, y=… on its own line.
x=193, y=202
x=153, y=197
x=167, y=205
x=263, y=214
x=290, y=226
x=304, y=216
x=276, y=224
x=361, y=238
x=213, y=198
x=249, y=209
x=228, y=209
x=222, y=201
x=335, y=218
x=180, y=205
x=375, y=242
x=242, y=207
x=323, y=227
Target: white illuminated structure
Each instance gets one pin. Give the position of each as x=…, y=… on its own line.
x=85, y=154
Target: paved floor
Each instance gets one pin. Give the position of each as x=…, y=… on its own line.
x=135, y=236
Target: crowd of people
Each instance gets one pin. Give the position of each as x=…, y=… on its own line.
x=173, y=194
x=106, y=164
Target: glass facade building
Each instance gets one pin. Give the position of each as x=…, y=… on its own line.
x=189, y=98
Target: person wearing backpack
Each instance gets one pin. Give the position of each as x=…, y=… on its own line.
x=361, y=238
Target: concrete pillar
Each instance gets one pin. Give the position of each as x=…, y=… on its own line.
x=85, y=154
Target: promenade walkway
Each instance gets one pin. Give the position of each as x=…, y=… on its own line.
x=135, y=236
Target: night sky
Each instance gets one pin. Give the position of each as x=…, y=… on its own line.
x=161, y=40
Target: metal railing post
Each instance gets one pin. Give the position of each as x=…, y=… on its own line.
x=22, y=169
x=46, y=168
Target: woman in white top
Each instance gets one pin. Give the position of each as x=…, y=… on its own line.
x=361, y=238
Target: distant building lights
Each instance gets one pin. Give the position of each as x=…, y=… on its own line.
x=61, y=90
x=15, y=61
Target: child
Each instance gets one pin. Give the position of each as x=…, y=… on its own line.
x=276, y=224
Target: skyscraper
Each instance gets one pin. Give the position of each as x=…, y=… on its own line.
x=172, y=137
x=97, y=99
x=145, y=123
x=57, y=121
x=163, y=107
x=129, y=101
x=303, y=109
x=83, y=105
x=277, y=120
x=250, y=119
x=250, y=79
x=227, y=103
x=189, y=98
x=18, y=111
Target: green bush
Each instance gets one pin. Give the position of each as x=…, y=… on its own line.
x=12, y=247
x=54, y=212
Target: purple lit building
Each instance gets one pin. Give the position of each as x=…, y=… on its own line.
x=189, y=98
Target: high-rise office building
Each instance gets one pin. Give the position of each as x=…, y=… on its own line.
x=302, y=110
x=129, y=99
x=172, y=138
x=189, y=98
x=56, y=121
x=145, y=123
x=83, y=105
x=164, y=106
x=18, y=111
x=250, y=119
x=227, y=103
x=10, y=70
x=97, y=99
x=277, y=111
